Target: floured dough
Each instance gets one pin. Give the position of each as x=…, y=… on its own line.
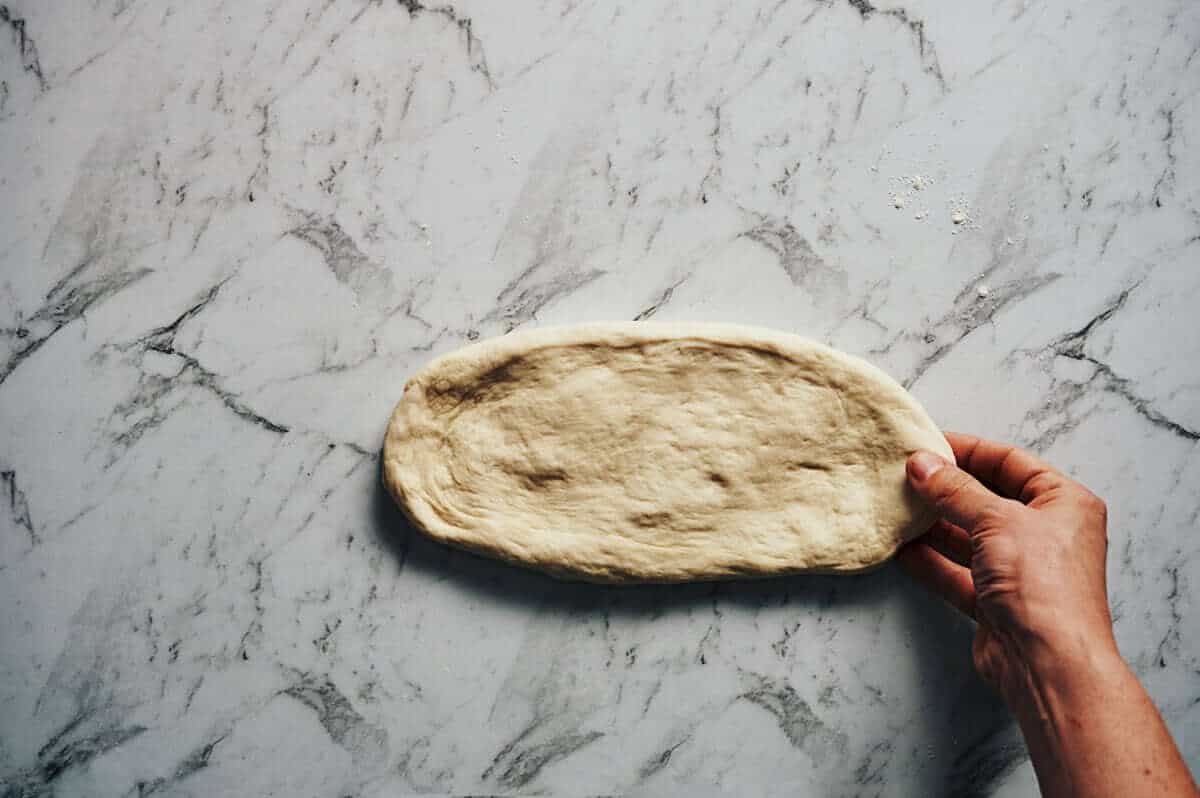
x=655, y=452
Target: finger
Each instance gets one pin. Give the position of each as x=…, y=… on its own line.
x=956, y=495
x=1011, y=471
x=950, y=541
x=951, y=582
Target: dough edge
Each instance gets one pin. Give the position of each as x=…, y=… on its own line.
x=479, y=358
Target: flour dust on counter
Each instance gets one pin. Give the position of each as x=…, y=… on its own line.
x=230, y=232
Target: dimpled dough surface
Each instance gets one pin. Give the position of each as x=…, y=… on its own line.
x=654, y=452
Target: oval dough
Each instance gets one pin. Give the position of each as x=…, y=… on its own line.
x=655, y=452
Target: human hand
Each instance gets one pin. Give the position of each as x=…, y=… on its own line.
x=1020, y=548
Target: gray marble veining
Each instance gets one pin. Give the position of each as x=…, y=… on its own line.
x=229, y=231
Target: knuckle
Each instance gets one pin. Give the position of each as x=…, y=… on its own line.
x=1093, y=504
x=995, y=514
x=960, y=491
x=951, y=490
x=1039, y=484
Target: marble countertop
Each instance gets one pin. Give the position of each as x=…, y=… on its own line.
x=231, y=230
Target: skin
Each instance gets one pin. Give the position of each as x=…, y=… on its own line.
x=1020, y=548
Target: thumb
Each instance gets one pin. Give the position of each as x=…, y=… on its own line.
x=956, y=495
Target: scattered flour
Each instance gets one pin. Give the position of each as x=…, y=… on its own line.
x=960, y=212
x=904, y=189
x=914, y=190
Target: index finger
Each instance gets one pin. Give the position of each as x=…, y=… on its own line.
x=1011, y=471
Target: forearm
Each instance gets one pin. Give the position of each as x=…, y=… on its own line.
x=1093, y=731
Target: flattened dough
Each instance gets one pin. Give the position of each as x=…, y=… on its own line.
x=655, y=452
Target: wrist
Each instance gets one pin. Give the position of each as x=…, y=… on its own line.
x=1080, y=648
x=1065, y=672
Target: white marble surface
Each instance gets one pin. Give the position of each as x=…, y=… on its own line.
x=230, y=230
